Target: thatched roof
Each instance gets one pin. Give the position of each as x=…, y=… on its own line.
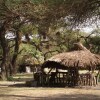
x=81, y=58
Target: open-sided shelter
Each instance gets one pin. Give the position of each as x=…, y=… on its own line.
x=80, y=59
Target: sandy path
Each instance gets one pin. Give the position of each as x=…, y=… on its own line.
x=10, y=92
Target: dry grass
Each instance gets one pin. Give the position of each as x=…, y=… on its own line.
x=16, y=91
x=23, y=76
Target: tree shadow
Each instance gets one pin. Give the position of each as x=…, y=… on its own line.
x=18, y=85
x=21, y=85
x=54, y=97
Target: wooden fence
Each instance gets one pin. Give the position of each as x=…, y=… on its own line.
x=65, y=79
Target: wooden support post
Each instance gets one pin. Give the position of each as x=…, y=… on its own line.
x=97, y=77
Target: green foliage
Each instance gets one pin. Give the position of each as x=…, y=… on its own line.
x=10, y=78
x=31, y=52
x=95, y=40
x=53, y=9
x=41, y=20
x=29, y=29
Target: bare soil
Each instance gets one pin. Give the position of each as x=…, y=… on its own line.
x=18, y=91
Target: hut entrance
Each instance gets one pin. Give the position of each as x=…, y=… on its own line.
x=68, y=78
x=73, y=75
x=58, y=79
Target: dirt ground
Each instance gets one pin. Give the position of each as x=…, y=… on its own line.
x=17, y=91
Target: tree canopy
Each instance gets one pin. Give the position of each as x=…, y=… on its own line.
x=44, y=24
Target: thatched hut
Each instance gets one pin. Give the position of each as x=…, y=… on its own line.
x=79, y=59
x=82, y=59
x=28, y=64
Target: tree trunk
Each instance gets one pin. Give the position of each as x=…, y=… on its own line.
x=3, y=75
x=5, y=61
x=5, y=50
x=16, y=50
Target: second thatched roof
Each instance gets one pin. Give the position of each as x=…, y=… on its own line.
x=81, y=58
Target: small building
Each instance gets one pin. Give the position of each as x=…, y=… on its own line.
x=65, y=69
x=28, y=64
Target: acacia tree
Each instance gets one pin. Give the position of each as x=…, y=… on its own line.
x=7, y=23
x=42, y=13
